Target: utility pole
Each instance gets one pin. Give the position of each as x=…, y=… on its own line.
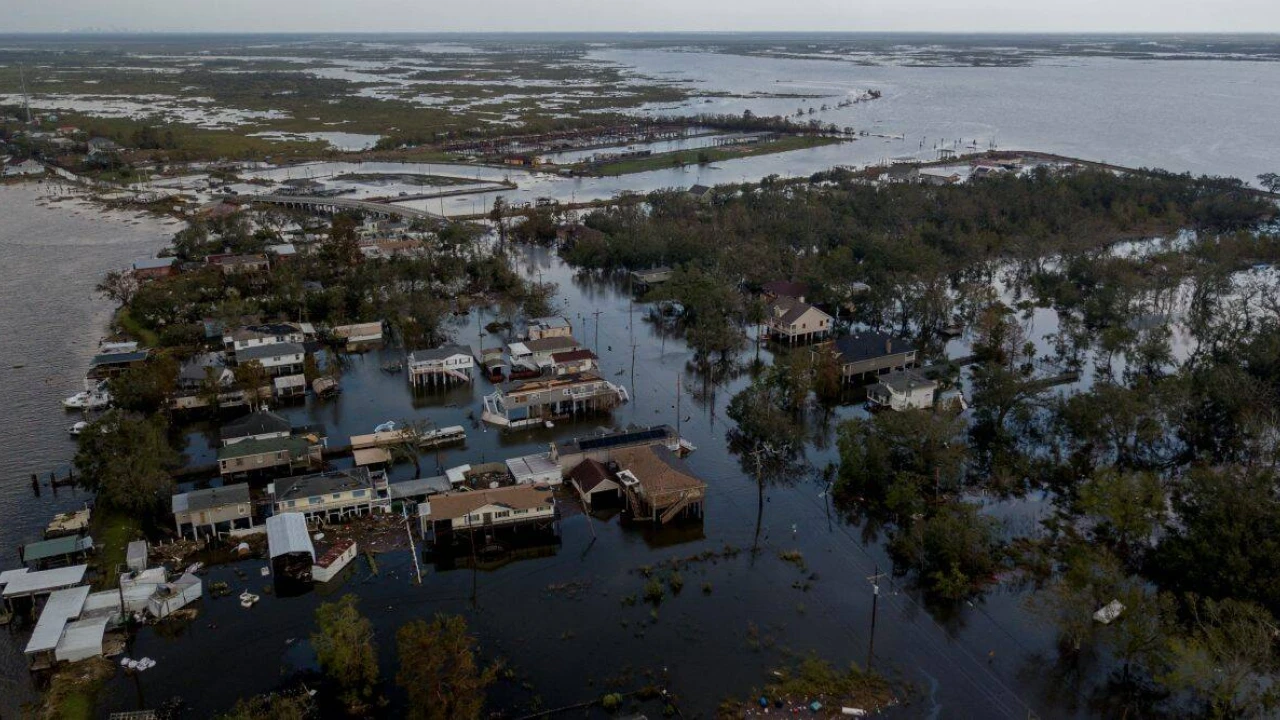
x=875, y=601
x=26, y=99
x=598, y=313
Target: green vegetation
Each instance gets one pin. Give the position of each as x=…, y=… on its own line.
x=706, y=156
x=73, y=690
x=813, y=680
x=276, y=706
x=439, y=670
x=127, y=460
x=345, y=648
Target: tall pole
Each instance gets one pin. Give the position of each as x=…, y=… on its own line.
x=875, y=602
x=413, y=549
x=598, y=313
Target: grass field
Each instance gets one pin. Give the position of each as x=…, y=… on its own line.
x=112, y=534
x=714, y=154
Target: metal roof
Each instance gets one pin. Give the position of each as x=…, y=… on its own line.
x=36, y=583
x=197, y=500
x=260, y=352
x=625, y=438
x=57, y=547
x=123, y=358
x=82, y=639
x=63, y=605
x=287, y=533
x=532, y=466
x=262, y=422
x=305, y=486
x=441, y=353
x=421, y=486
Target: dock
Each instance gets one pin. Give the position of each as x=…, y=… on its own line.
x=430, y=438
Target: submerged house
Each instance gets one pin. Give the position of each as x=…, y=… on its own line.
x=870, y=354
x=213, y=512
x=902, y=390
x=595, y=483
x=444, y=365
x=332, y=496
x=441, y=517
x=793, y=321
x=530, y=401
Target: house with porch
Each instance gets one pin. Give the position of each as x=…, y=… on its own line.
x=332, y=496
x=270, y=455
x=573, y=361
x=277, y=358
x=442, y=517
x=213, y=512
x=657, y=485
x=526, y=402
x=445, y=365
x=793, y=321
x=866, y=355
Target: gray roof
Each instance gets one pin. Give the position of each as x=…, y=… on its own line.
x=305, y=486
x=261, y=422
x=194, y=369
x=903, y=380
x=550, y=322
x=867, y=345
x=259, y=352
x=153, y=263
x=57, y=547
x=197, y=500
x=421, y=486
x=287, y=533
x=440, y=353
x=296, y=446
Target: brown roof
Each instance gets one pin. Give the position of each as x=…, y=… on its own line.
x=452, y=505
x=788, y=310
x=785, y=288
x=573, y=356
x=589, y=474
x=658, y=469
x=335, y=552
x=550, y=383
x=552, y=344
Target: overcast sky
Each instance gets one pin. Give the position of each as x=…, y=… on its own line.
x=641, y=15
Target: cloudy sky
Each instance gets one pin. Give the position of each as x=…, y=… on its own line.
x=641, y=15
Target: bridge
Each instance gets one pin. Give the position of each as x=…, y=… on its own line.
x=332, y=205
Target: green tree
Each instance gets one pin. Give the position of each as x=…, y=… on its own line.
x=953, y=550
x=127, y=461
x=439, y=669
x=1227, y=659
x=254, y=380
x=345, y=647
x=276, y=706
x=1126, y=507
x=146, y=388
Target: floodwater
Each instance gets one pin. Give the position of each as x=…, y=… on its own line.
x=55, y=253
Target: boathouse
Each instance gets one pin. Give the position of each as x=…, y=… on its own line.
x=445, y=365
x=56, y=552
x=657, y=485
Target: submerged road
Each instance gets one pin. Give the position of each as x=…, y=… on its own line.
x=335, y=204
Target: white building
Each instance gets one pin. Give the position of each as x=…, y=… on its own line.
x=444, y=365
x=903, y=390
x=284, y=358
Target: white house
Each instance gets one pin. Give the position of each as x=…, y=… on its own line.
x=266, y=334
x=332, y=496
x=903, y=390
x=441, y=366
x=284, y=358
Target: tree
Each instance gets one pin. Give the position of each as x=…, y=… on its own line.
x=953, y=550
x=1270, y=181
x=762, y=416
x=1227, y=659
x=345, y=647
x=915, y=452
x=126, y=461
x=253, y=379
x=119, y=286
x=439, y=669
x=341, y=250
x=146, y=388
x=1127, y=507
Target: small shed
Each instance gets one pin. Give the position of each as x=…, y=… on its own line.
x=371, y=456
x=136, y=556
x=594, y=482
x=175, y=595
x=333, y=560
x=290, y=386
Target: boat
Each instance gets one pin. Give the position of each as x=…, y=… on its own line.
x=247, y=599
x=388, y=426
x=392, y=367
x=78, y=428
x=97, y=399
